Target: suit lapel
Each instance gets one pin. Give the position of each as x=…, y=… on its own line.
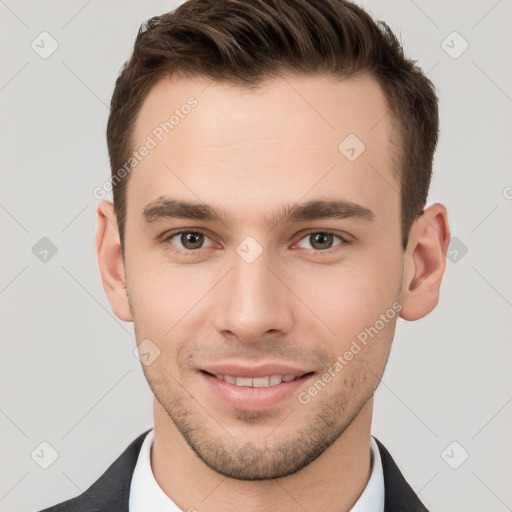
x=111, y=492
x=399, y=495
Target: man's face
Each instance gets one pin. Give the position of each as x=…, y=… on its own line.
x=251, y=297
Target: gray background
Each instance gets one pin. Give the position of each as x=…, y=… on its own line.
x=68, y=375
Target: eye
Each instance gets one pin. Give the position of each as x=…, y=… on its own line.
x=322, y=240
x=187, y=241
x=190, y=241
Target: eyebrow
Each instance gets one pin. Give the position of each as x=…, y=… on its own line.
x=165, y=208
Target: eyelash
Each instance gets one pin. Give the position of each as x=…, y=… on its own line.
x=343, y=239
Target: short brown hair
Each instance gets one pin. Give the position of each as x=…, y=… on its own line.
x=243, y=42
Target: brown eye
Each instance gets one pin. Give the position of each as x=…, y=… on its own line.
x=321, y=240
x=187, y=240
x=192, y=240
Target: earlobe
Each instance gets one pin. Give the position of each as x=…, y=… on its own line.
x=425, y=263
x=110, y=260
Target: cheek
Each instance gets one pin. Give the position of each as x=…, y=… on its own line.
x=168, y=305
x=349, y=297
x=164, y=293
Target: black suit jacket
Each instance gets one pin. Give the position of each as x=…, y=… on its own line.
x=111, y=492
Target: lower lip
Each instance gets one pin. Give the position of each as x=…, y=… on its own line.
x=251, y=398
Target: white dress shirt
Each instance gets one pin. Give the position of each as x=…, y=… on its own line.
x=147, y=496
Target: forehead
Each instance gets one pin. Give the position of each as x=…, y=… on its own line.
x=293, y=137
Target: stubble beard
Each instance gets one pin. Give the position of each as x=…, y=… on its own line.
x=275, y=456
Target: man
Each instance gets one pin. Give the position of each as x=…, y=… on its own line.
x=271, y=162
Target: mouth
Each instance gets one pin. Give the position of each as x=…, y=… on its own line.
x=256, y=389
x=257, y=382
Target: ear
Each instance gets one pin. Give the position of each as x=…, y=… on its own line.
x=425, y=262
x=110, y=260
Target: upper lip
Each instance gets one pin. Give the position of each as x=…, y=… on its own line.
x=265, y=370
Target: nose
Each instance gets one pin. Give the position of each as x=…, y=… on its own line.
x=253, y=301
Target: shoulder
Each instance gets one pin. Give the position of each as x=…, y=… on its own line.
x=112, y=489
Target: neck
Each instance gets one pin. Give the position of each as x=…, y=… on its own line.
x=331, y=483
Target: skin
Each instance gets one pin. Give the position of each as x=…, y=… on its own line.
x=251, y=153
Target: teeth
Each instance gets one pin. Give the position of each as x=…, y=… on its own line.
x=261, y=382
x=257, y=382
x=228, y=378
x=275, y=379
x=244, y=381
